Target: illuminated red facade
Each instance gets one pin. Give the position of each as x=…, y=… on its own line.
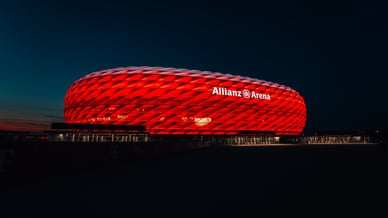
x=181, y=101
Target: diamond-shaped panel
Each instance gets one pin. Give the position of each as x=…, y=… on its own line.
x=181, y=101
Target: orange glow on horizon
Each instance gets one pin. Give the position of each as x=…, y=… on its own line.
x=20, y=123
x=21, y=127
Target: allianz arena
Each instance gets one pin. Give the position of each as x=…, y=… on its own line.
x=169, y=101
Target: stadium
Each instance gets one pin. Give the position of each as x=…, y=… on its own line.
x=170, y=101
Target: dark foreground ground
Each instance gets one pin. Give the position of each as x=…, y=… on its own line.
x=308, y=181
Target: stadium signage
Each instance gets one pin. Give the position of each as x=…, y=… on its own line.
x=238, y=93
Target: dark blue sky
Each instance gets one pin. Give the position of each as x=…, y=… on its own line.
x=333, y=53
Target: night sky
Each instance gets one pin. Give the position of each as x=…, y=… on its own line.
x=333, y=53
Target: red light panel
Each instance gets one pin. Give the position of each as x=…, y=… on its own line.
x=181, y=101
